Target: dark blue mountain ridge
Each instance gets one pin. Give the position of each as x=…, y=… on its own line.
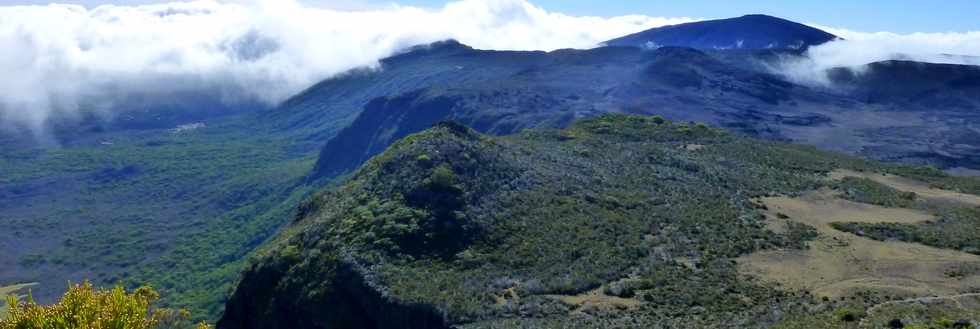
x=746, y=32
x=502, y=93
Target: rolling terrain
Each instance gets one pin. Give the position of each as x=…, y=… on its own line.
x=181, y=199
x=927, y=117
x=616, y=221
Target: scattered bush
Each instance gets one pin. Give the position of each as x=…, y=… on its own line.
x=848, y=314
x=868, y=191
x=564, y=212
x=957, y=229
x=84, y=306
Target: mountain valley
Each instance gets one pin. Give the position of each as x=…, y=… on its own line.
x=677, y=177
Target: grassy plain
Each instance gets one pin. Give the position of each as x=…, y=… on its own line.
x=838, y=263
x=871, y=281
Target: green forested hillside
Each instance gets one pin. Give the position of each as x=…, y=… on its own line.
x=178, y=210
x=180, y=200
x=617, y=221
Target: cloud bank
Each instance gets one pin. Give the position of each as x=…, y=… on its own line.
x=65, y=59
x=860, y=48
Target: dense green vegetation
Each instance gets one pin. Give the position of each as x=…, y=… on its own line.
x=451, y=220
x=448, y=219
x=495, y=232
x=865, y=190
x=84, y=306
x=178, y=210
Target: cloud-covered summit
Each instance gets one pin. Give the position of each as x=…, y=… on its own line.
x=63, y=59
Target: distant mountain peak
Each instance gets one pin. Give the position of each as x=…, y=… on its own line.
x=447, y=47
x=762, y=16
x=755, y=31
x=444, y=45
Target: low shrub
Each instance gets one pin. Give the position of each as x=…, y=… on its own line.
x=84, y=306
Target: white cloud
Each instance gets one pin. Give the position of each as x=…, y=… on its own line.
x=860, y=48
x=60, y=59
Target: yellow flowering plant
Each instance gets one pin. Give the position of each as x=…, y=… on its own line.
x=84, y=306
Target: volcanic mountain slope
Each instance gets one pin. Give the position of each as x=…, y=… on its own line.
x=746, y=32
x=939, y=102
x=938, y=86
x=617, y=221
x=339, y=99
x=561, y=86
x=178, y=198
x=142, y=200
x=557, y=88
x=860, y=113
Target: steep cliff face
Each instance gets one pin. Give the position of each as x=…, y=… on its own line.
x=383, y=121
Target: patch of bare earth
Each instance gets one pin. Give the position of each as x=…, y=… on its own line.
x=838, y=263
x=596, y=299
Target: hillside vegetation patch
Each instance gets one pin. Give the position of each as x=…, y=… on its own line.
x=839, y=263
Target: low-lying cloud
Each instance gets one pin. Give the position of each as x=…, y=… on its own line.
x=61, y=60
x=859, y=48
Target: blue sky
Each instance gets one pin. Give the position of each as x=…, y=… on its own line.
x=901, y=16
